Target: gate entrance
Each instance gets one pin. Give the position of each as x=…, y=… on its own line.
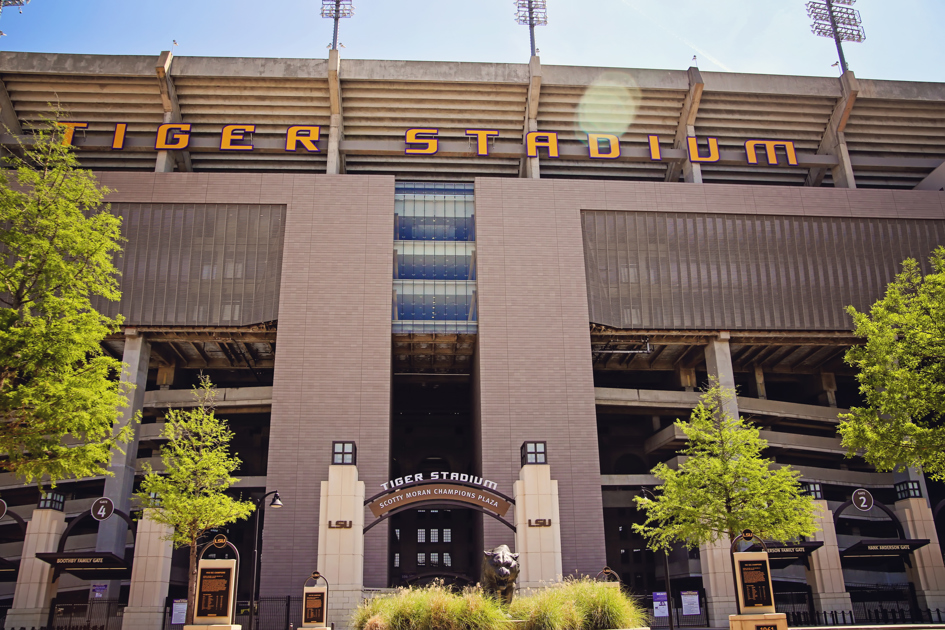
x=432, y=432
x=430, y=544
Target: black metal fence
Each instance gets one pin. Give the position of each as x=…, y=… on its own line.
x=272, y=613
x=700, y=620
x=97, y=614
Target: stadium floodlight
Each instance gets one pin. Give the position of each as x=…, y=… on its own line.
x=531, y=13
x=336, y=9
x=835, y=19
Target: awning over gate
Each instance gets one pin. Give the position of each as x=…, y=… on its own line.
x=781, y=555
x=8, y=570
x=91, y=565
x=890, y=547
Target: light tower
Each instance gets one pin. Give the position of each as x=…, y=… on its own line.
x=12, y=3
x=533, y=13
x=336, y=9
x=836, y=20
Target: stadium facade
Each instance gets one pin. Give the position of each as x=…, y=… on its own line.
x=456, y=305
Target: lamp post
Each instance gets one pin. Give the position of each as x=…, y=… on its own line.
x=276, y=503
x=669, y=589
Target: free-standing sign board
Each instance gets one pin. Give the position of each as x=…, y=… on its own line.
x=690, y=603
x=660, y=604
x=315, y=607
x=216, y=586
x=753, y=576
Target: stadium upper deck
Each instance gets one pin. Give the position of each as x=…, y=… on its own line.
x=892, y=132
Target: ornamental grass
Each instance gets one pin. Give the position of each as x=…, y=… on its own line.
x=578, y=604
x=433, y=607
x=571, y=605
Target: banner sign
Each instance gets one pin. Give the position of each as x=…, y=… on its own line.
x=433, y=491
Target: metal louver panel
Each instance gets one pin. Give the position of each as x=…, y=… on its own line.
x=651, y=270
x=199, y=264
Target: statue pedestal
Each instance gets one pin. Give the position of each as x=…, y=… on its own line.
x=761, y=621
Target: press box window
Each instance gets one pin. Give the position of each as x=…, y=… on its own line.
x=344, y=453
x=815, y=490
x=534, y=453
x=908, y=490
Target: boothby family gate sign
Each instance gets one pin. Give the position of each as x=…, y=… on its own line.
x=426, y=141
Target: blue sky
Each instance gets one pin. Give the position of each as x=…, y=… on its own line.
x=760, y=36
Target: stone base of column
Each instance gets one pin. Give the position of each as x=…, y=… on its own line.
x=931, y=600
x=751, y=622
x=143, y=618
x=719, y=609
x=27, y=618
x=342, y=603
x=832, y=602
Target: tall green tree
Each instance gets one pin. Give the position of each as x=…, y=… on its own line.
x=902, y=374
x=59, y=395
x=724, y=485
x=191, y=493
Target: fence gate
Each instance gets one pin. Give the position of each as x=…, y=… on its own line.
x=272, y=613
x=97, y=614
x=680, y=620
x=882, y=603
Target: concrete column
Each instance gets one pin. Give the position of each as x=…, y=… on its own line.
x=927, y=573
x=150, y=575
x=165, y=160
x=334, y=146
x=692, y=171
x=537, y=526
x=35, y=587
x=532, y=168
x=843, y=172
x=113, y=533
x=341, y=541
x=757, y=384
x=718, y=360
x=718, y=581
x=825, y=575
x=826, y=387
x=685, y=378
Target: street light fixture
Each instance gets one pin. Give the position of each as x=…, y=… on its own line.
x=669, y=588
x=275, y=503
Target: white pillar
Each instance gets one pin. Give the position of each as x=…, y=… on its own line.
x=34, y=583
x=718, y=581
x=537, y=526
x=341, y=542
x=150, y=575
x=928, y=570
x=825, y=575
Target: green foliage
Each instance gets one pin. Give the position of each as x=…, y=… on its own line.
x=582, y=604
x=902, y=374
x=191, y=494
x=55, y=383
x=723, y=485
x=571, y=605
x=433, y=607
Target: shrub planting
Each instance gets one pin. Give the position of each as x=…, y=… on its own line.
x=571, y=605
